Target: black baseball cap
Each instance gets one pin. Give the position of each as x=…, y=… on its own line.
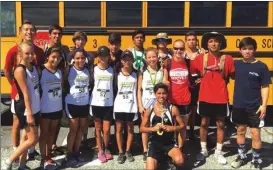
x=103, y=51
x=126, y=53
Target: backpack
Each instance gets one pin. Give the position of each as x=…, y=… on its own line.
x=222, y=67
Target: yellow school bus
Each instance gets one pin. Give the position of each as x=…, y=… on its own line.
x=235, y=20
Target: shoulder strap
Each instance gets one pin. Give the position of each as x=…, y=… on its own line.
x=205, y=64
x=222, y=65
x=169, y=64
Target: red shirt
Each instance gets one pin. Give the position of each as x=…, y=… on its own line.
x=213, y=88
x=179, y=83
x=12, y=60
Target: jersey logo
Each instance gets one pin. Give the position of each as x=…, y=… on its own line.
x=254, y=74
x=179, y=75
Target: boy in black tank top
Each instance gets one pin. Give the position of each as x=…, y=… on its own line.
x=191, y=53
x=159, y=121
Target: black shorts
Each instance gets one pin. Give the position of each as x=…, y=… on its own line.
x=103, y=112
x=156, y=150
x=53, y=115
x=77, y=111
x=184, y=110
x=23, y=120
x=246, y=117
x=125, y=117
x=212, y=110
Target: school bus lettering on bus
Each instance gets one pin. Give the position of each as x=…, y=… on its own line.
x=95, y=43
x=237, y=43
x=267, y=43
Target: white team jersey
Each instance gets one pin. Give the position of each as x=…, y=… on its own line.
x=148, y=82
x=79, y=82
x=126, y=100
x=33, y=89
x=51, y=84
x=103, y=93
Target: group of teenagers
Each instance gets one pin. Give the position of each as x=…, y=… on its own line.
x=162, y=87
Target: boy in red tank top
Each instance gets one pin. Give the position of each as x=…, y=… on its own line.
x=215, y=69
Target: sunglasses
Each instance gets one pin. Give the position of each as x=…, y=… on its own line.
x=181, y=49
x=161, y=40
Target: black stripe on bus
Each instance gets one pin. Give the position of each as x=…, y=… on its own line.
x=172, y=31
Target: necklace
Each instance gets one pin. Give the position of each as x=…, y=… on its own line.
x=161, y=108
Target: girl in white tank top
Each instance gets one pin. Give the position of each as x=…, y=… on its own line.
x=146, y=82
x=77, y=83
x=51, y=102
x=125, y=107
x=27, y=103
x=101, y=102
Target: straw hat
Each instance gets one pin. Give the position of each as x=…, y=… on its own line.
x=161, y=36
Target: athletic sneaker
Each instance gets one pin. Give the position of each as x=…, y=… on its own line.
x=15, y=164
x=121, y=158
x=79, y=157
x=144, y=157
x=256, y=164
x=220, y=158
x=50, y=164
x=7, y=166
x=102, y=157
x=24, y=168
x=129, y=157
x=202, y=155
x=70, y=160
x=34, y=156
x=238, y=162
x=108, y=154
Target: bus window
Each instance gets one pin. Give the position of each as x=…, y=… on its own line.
x=8, y=18
x=207, y=13
x=165, y=13
x=41, y=13
x=249, y=13
x=82, y=13
x=124, y=14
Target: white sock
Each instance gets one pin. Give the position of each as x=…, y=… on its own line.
x=218, y=148
x=14, y=148
x=204, y=147
x=8, y=162
x=31, y=150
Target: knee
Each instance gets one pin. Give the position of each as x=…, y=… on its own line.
x=119, y=130
x=82, y=128
x=255, y=136
x=106, y=130
x=221, y=125
x=33, y=141
x=74, y=128
x=204, y=123
x=15, y=122
x=241, y=131
x=130, y=130
x=178, y=160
